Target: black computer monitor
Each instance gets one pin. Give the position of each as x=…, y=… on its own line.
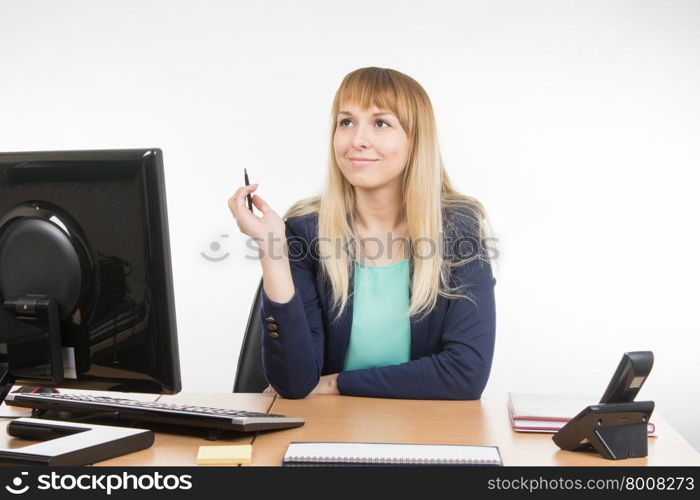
x=85, y=277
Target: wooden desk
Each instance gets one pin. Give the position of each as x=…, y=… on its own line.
x=483, y=422
x=343, y=418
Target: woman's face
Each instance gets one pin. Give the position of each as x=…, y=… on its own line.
x=371, y=147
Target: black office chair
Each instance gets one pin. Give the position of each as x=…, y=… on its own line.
x=249, y=374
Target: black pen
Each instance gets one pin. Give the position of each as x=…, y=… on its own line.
x=247, y=183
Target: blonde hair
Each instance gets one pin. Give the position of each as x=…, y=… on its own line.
x=427, y=192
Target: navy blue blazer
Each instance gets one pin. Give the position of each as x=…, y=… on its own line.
x=451, y=347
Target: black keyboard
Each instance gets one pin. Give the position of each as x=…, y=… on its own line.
x=177, y=414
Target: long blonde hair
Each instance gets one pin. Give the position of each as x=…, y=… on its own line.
x=427, y=192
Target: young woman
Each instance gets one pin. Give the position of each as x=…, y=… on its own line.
x=381, y=286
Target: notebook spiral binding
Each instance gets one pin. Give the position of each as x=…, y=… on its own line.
x=388, y=460
x=391, y=454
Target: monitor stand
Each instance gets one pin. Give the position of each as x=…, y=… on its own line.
x=71, y=443
x=64, y=443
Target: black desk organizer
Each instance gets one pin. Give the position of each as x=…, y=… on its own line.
x=71, y=443
x=615, y=430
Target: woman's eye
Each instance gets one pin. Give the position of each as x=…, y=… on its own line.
x=347, y=121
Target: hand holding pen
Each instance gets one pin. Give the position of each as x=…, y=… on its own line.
x=266, y=230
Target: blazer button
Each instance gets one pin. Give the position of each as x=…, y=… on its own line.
x=270, y=319
x=274, y=335
x=272, y=327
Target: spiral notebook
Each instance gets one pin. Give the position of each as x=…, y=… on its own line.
x=321, y=453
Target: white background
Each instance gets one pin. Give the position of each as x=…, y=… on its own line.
x=576, y=123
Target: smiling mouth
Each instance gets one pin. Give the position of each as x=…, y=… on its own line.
x=358, y=162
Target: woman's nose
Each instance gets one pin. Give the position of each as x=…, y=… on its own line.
x=360, y=140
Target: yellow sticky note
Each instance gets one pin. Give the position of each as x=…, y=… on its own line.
x=224, y=455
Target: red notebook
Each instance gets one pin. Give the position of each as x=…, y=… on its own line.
x=548, y=412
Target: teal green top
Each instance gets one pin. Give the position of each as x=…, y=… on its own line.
x=381, y=327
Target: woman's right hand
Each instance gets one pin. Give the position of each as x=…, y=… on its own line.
x=267, y=230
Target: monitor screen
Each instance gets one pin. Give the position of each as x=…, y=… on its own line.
x=85, y=274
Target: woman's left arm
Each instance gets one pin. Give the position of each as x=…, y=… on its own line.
x=461, y=369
